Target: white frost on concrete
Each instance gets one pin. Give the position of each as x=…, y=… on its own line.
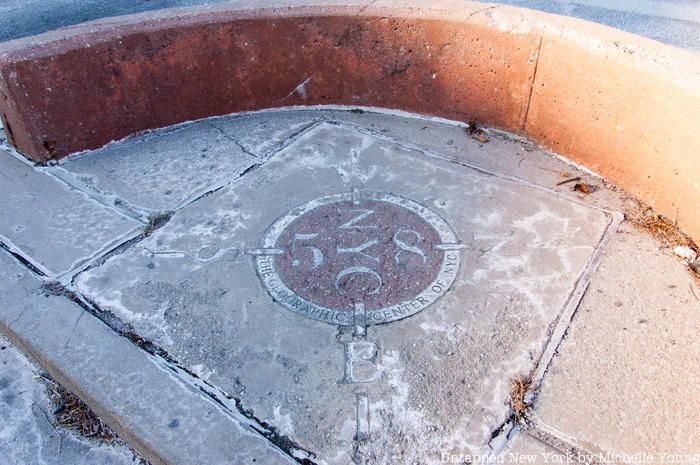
x=525, y=247
x=37, y=206
x=283, y=422
x=158, y=171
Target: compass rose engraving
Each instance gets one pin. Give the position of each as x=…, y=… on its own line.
x=385, y=253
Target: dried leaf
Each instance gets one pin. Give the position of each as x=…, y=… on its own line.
x=71, y=412
x=582, y=187
x=481, y=137
x=519, y=387
x=476, y=132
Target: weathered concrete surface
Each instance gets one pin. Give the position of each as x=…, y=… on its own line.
x=28, y=433
x=502, y=153
x=162, y=172
x=168, y=420
x=526, y=449
x=507, y=67
x=675, y=22
x=587, y=116
x=19, y=18
x=262, y=134
x=670, y=21
x=192, y=289
x=153, y=70
x=626, y=378
x=56, y=226
x=521, y=449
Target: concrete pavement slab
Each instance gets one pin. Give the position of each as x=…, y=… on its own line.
x=262, y=133
x=521, y=449
x=625, y=380
x=304, y=290
x=671, y=21
x=55, y=227
x=299, y=303
x=525, y=449
x=496, y=151
x=28, y=433
x=160, y=171
x=148, y=402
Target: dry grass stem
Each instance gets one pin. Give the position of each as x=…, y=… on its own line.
x=71, y=412
x=519, y=386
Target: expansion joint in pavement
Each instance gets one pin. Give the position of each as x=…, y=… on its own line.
x=23, y=260
x=231, y=404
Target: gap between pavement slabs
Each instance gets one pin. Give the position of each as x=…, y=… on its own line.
x=175, y=334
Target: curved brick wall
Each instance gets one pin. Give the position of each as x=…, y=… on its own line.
x=625, y=106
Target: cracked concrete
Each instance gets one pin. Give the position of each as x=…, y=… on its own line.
x=155, y=174
x=205, y=331
x=38, y=207
x=206, y=243
x=531, y=83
